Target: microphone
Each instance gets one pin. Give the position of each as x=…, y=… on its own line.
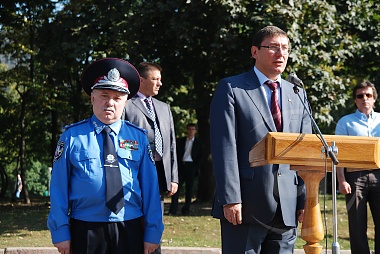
x=292, y=78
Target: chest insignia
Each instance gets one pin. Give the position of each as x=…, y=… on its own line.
x=129, y=144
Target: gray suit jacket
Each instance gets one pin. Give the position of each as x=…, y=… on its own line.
x=239, y=118
x=136, y=113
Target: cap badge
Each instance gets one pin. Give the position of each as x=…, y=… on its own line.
x=112, y=79
x=113, y=75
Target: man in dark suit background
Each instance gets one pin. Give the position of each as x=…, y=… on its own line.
x=189, y=155
x=136, y=111
x=258, y=207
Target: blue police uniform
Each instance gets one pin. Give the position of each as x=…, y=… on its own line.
x=78, y=188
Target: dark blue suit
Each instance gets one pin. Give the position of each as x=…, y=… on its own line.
x=239, y=118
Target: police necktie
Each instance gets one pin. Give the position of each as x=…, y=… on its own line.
x=157, y=133
x=114, y=186
x=275, y=106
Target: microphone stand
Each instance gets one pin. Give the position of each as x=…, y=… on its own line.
x=331, y=152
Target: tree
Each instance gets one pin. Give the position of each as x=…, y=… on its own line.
x=205, y=41
x=194, y=51
x=21, y=20
x=197, y=42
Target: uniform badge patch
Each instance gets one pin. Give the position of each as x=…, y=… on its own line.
x=150, y=153
x=59, y=150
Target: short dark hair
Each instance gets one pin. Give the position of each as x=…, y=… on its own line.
x=268, y=31
x=365, y=84
x=191, y=125
x=144, y=67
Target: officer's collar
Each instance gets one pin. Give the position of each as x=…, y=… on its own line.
x=99, y=126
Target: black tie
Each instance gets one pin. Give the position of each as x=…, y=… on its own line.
x=114, y=192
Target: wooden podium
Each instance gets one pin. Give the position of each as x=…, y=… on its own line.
x=305, y=153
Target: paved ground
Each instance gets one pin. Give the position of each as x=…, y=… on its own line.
x=165, y=250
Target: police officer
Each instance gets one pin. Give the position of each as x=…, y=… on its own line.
x=84, y=216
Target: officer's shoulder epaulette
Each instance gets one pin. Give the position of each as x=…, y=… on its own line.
x=135, y=126
x=75, y=124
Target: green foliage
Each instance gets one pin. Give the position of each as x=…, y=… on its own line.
x=197, y=42
x=37, y=178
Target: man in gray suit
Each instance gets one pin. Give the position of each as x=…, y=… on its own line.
x=155, y=116
x=258, y=207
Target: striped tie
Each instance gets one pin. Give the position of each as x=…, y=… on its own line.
x=157, y=133
x=274, y=105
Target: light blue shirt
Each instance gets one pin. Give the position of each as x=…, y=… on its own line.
x=77, y=188
x=358, y=124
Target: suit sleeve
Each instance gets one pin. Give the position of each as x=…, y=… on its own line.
x=58, y=219
x=173, y=151
x=153, y=220
x=223, y=145
x=306, y=128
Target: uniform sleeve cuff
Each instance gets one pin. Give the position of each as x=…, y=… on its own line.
x=152, y=236
x=60, y=235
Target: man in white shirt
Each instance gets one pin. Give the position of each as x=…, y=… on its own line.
x=189, y=154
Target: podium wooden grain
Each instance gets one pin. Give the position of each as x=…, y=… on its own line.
x=305, y=153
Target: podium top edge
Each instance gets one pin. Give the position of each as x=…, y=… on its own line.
x=327, y=136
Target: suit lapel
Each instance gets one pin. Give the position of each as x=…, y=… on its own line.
x=139, y=104
x=287, y=107
x=157, y=109
x=258, y=99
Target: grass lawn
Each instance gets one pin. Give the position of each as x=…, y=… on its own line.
x=25, y=226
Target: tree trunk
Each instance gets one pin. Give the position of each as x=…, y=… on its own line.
x=24, y=192
x=206, y=184
x=4, y=181
x=54, y=133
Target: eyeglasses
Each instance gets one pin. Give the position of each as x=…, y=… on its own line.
x=275, y=49
x=361, y=96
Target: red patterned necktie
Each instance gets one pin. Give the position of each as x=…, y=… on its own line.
x=274, y=105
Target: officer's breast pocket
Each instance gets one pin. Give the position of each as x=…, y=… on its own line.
x=130, y=158
x=88, y=162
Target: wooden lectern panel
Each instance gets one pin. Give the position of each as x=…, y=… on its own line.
x=307, y=150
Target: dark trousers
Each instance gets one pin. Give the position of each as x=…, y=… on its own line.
x=161, y=176
x=186, y=175
x=125, y=237
x=365, y=188
x=163, y=190
x=255, y=238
